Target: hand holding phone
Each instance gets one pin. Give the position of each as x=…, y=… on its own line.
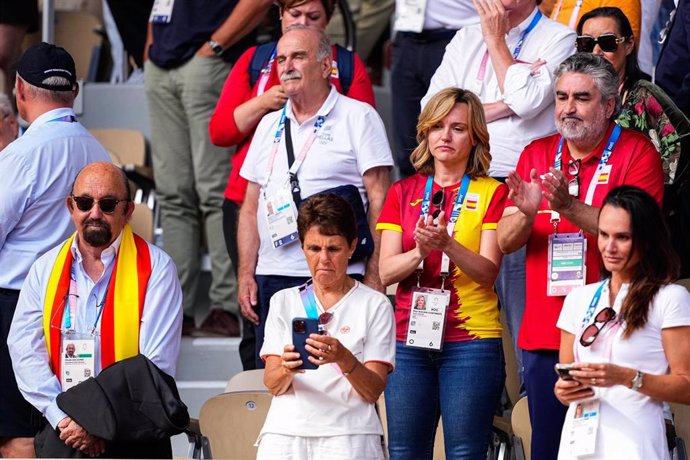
x=301, y=329
x=563, y=370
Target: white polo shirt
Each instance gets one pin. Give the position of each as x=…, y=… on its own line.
x=442, y=14
x=351, y=141
x=322, y=402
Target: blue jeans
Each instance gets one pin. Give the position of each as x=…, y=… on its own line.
x=510, y=287
x=462, y=383
x=267, y=286
x=415, y=59
x=546, y=412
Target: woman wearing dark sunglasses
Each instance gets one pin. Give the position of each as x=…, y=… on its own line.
x=627, y=337
x=445, y=215
x=646, y=107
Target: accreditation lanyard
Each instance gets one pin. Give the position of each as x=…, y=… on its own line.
x=302, y=154
x=71, y=311
x=589, y=198
x=516, y=51
x=454, y=216
x=266, y=74
x=306, y=293
x=608, y=336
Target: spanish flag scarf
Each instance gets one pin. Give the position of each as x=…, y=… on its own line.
x=123, y=307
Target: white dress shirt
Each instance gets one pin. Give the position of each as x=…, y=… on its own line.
x=443, y=14
x=529, y=95
x=159, y=333
x=36, y=175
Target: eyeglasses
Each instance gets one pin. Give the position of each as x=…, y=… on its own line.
x=107, y=205
x=607, y=42
x=437, y=200
x=574, y=183
x=591, y=332
x=324, y=318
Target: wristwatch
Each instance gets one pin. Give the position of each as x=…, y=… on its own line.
x=637, y=381
x=215, y=47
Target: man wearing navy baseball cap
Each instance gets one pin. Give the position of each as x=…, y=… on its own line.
x=38, y=171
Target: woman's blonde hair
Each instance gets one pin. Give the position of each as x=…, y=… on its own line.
x=435, y=110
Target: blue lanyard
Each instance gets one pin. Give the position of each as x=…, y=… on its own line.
x=593, y=304
x=610, y=144
x=306, y=293
x=521, y=41
x=266, y=70
x=459, y=199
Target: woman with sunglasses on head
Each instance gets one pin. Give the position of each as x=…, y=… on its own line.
x=328, y=411
x=646, y=108
x=627, y=337
x=438, y=237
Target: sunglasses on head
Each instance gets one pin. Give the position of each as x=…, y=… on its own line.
x=591, y=332
x=107, y=205
x=607, y=42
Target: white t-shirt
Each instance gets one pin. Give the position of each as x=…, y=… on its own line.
x=529, y=95
x=632, y=424
x=351, y=141
x=322, y=402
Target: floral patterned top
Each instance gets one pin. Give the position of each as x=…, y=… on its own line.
x=642, y=111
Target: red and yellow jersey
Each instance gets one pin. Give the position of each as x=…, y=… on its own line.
x=473, y=312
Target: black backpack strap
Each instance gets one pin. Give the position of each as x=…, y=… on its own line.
x=346, y=67
x=262, y=54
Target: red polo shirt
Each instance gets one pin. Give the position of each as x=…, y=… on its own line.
x=634, y=161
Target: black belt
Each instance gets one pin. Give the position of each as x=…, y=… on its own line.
x=4, y=291
x=429, y=35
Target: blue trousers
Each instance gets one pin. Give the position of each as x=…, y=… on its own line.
x=415, y=59
x=462, y=383
x=545, y=411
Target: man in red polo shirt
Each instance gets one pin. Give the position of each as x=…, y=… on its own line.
x=554, y=199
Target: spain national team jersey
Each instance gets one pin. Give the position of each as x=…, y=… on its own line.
x=473, y=312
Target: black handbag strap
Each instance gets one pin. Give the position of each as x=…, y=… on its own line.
x=294, y=182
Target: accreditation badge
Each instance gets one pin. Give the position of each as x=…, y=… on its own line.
x=281, y=214
x=584, y=425
x=77, y=361
x=161, y=13
x=567, y=268
x=427, y=318
x=410, y=15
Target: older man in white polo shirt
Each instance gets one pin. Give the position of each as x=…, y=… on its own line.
x=336, y=141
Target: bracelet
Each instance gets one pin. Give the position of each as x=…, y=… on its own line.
x=346, y=374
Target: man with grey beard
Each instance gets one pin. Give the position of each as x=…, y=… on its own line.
x=338, y=142
x=555, y=194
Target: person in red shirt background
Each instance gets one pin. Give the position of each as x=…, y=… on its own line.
x=242, y=105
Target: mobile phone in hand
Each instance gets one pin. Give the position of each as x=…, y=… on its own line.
x=563, y=370
x=301, y=328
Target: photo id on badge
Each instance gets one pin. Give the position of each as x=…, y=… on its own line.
x=77, y=361
x=427, y=318
x=281, y=215
x=567, y=269
x=584, y=424
x=411, y=15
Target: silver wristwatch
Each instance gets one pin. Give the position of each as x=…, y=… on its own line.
x=215, y=47
x=637, y=381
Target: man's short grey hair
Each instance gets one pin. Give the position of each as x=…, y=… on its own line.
x=324, y=44
x=65, y=98
x=600, y=70
x=5, y=105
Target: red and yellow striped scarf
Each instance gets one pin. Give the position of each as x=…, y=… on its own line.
x=123, y=306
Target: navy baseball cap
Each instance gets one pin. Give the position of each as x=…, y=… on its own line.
x=43, y=61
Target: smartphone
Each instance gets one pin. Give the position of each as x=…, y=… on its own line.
x=563, y=370
x=301, y=328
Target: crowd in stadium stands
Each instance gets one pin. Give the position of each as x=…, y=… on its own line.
x=542, y=161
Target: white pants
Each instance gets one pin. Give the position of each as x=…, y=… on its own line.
x=358, y=446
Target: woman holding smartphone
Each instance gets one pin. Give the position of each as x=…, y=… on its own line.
x=627, y=337
x=438, y=240
x=329, y=412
